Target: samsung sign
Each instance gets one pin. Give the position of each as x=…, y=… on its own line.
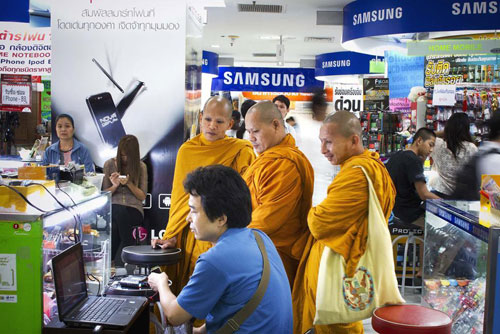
x=343, y=63
x=264, y=79
x=387, y=17
x=209, y=63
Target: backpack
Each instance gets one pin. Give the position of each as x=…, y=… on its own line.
x=467, y=182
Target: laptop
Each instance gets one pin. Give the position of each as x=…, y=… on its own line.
x=75, y=307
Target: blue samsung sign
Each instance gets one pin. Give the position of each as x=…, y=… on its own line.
x=210, y=62
x=266, y=79
x=386, y=17
x=343, y=63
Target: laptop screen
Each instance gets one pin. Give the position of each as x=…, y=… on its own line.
x=69, y=278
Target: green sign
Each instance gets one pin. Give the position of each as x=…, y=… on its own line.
x=377, y=66
x=453, y=47
x=45, y=100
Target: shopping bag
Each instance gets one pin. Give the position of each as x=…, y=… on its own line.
x=341, y=299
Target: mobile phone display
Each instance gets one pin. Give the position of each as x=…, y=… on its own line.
x=106, y=118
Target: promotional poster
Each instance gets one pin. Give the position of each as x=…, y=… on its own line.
x=452, y=70
x=119, y=68
x=348, y=97
x=376, y=94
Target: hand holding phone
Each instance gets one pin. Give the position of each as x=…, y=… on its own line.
x=123, y=179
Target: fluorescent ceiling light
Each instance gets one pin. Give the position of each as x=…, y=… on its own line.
x=215, y=46
x=275, y=37
x=214, y=3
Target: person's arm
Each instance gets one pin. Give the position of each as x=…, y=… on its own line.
x=244, y=159
x=279, y=189
x=175, y=314
x=115, y=183
x=139, y=193
x=423, y=192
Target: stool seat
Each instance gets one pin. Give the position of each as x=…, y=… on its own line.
x=145, y=255
x=410, y=319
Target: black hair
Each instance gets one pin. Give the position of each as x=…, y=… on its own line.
x=494, y=126
x=319, y=104
x=282, y=99
x=65, y=116
x=290, y=119
x=223, y=192
x=245, y=106
x=424, y=133
x=456, y=132
x=236, y=114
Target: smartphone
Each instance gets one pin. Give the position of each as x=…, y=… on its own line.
x=122, y=177
x=106, y=118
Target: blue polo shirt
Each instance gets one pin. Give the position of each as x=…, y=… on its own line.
x=227, y=276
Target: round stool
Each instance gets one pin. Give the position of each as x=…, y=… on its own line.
x=145, y=256
x=410, y=319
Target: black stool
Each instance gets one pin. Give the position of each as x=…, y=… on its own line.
x=146, y=257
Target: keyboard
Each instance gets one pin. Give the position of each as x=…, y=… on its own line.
x=101, y=310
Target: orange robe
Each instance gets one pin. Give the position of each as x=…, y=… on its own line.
x=281, y=185
x=341, y=223
x=194, y=153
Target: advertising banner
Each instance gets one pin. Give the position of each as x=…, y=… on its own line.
x=15, y=11
x=342, y=63
x=348, y=97
x=452, y=70
x=24, y=49
x=265, y=79
x=45, y=101
x=404, y=73
x=387, y=17
x=15, y=92
x=376, y=94
x=210, y=62
x=119, y=68
x=455, y=47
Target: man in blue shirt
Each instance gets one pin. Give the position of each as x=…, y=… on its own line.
x=227, y=276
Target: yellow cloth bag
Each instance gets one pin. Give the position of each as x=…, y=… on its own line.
x=340, y=299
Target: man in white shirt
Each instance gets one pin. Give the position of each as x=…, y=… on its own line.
x=283, y=104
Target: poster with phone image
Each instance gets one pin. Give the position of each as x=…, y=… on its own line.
x=118, y=67
x=105, y=115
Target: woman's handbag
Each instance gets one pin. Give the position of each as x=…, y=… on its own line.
x=341, y=299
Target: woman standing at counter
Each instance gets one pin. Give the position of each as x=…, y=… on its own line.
x=126, y=177
x=67, y=148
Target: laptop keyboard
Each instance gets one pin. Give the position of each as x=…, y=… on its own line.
x=101, y=310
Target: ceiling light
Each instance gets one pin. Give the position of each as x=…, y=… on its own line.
x=215, y=46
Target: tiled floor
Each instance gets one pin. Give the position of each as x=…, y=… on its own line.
x=410, y=297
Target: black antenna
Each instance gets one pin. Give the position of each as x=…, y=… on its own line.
x=107, y=74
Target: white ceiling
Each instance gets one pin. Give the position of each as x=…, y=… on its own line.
x=296, y=22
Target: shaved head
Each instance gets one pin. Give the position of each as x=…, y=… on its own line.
x=267, y=112
x=265, y=126
x=348, y=123
x=221, y=103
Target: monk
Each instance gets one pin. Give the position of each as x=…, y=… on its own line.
x=281, y=184
x=211, y=147
x=341, y=220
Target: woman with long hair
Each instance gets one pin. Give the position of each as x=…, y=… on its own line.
x=451, y=153
x=126, y=177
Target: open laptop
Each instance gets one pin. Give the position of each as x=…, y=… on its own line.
x=75, y=307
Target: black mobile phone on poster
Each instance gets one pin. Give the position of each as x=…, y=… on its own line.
x=106, y=118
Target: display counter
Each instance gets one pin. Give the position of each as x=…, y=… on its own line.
x=461, y=266
x=29, y=241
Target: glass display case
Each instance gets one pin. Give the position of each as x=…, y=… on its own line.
x=460, y=264
x=29, y=241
